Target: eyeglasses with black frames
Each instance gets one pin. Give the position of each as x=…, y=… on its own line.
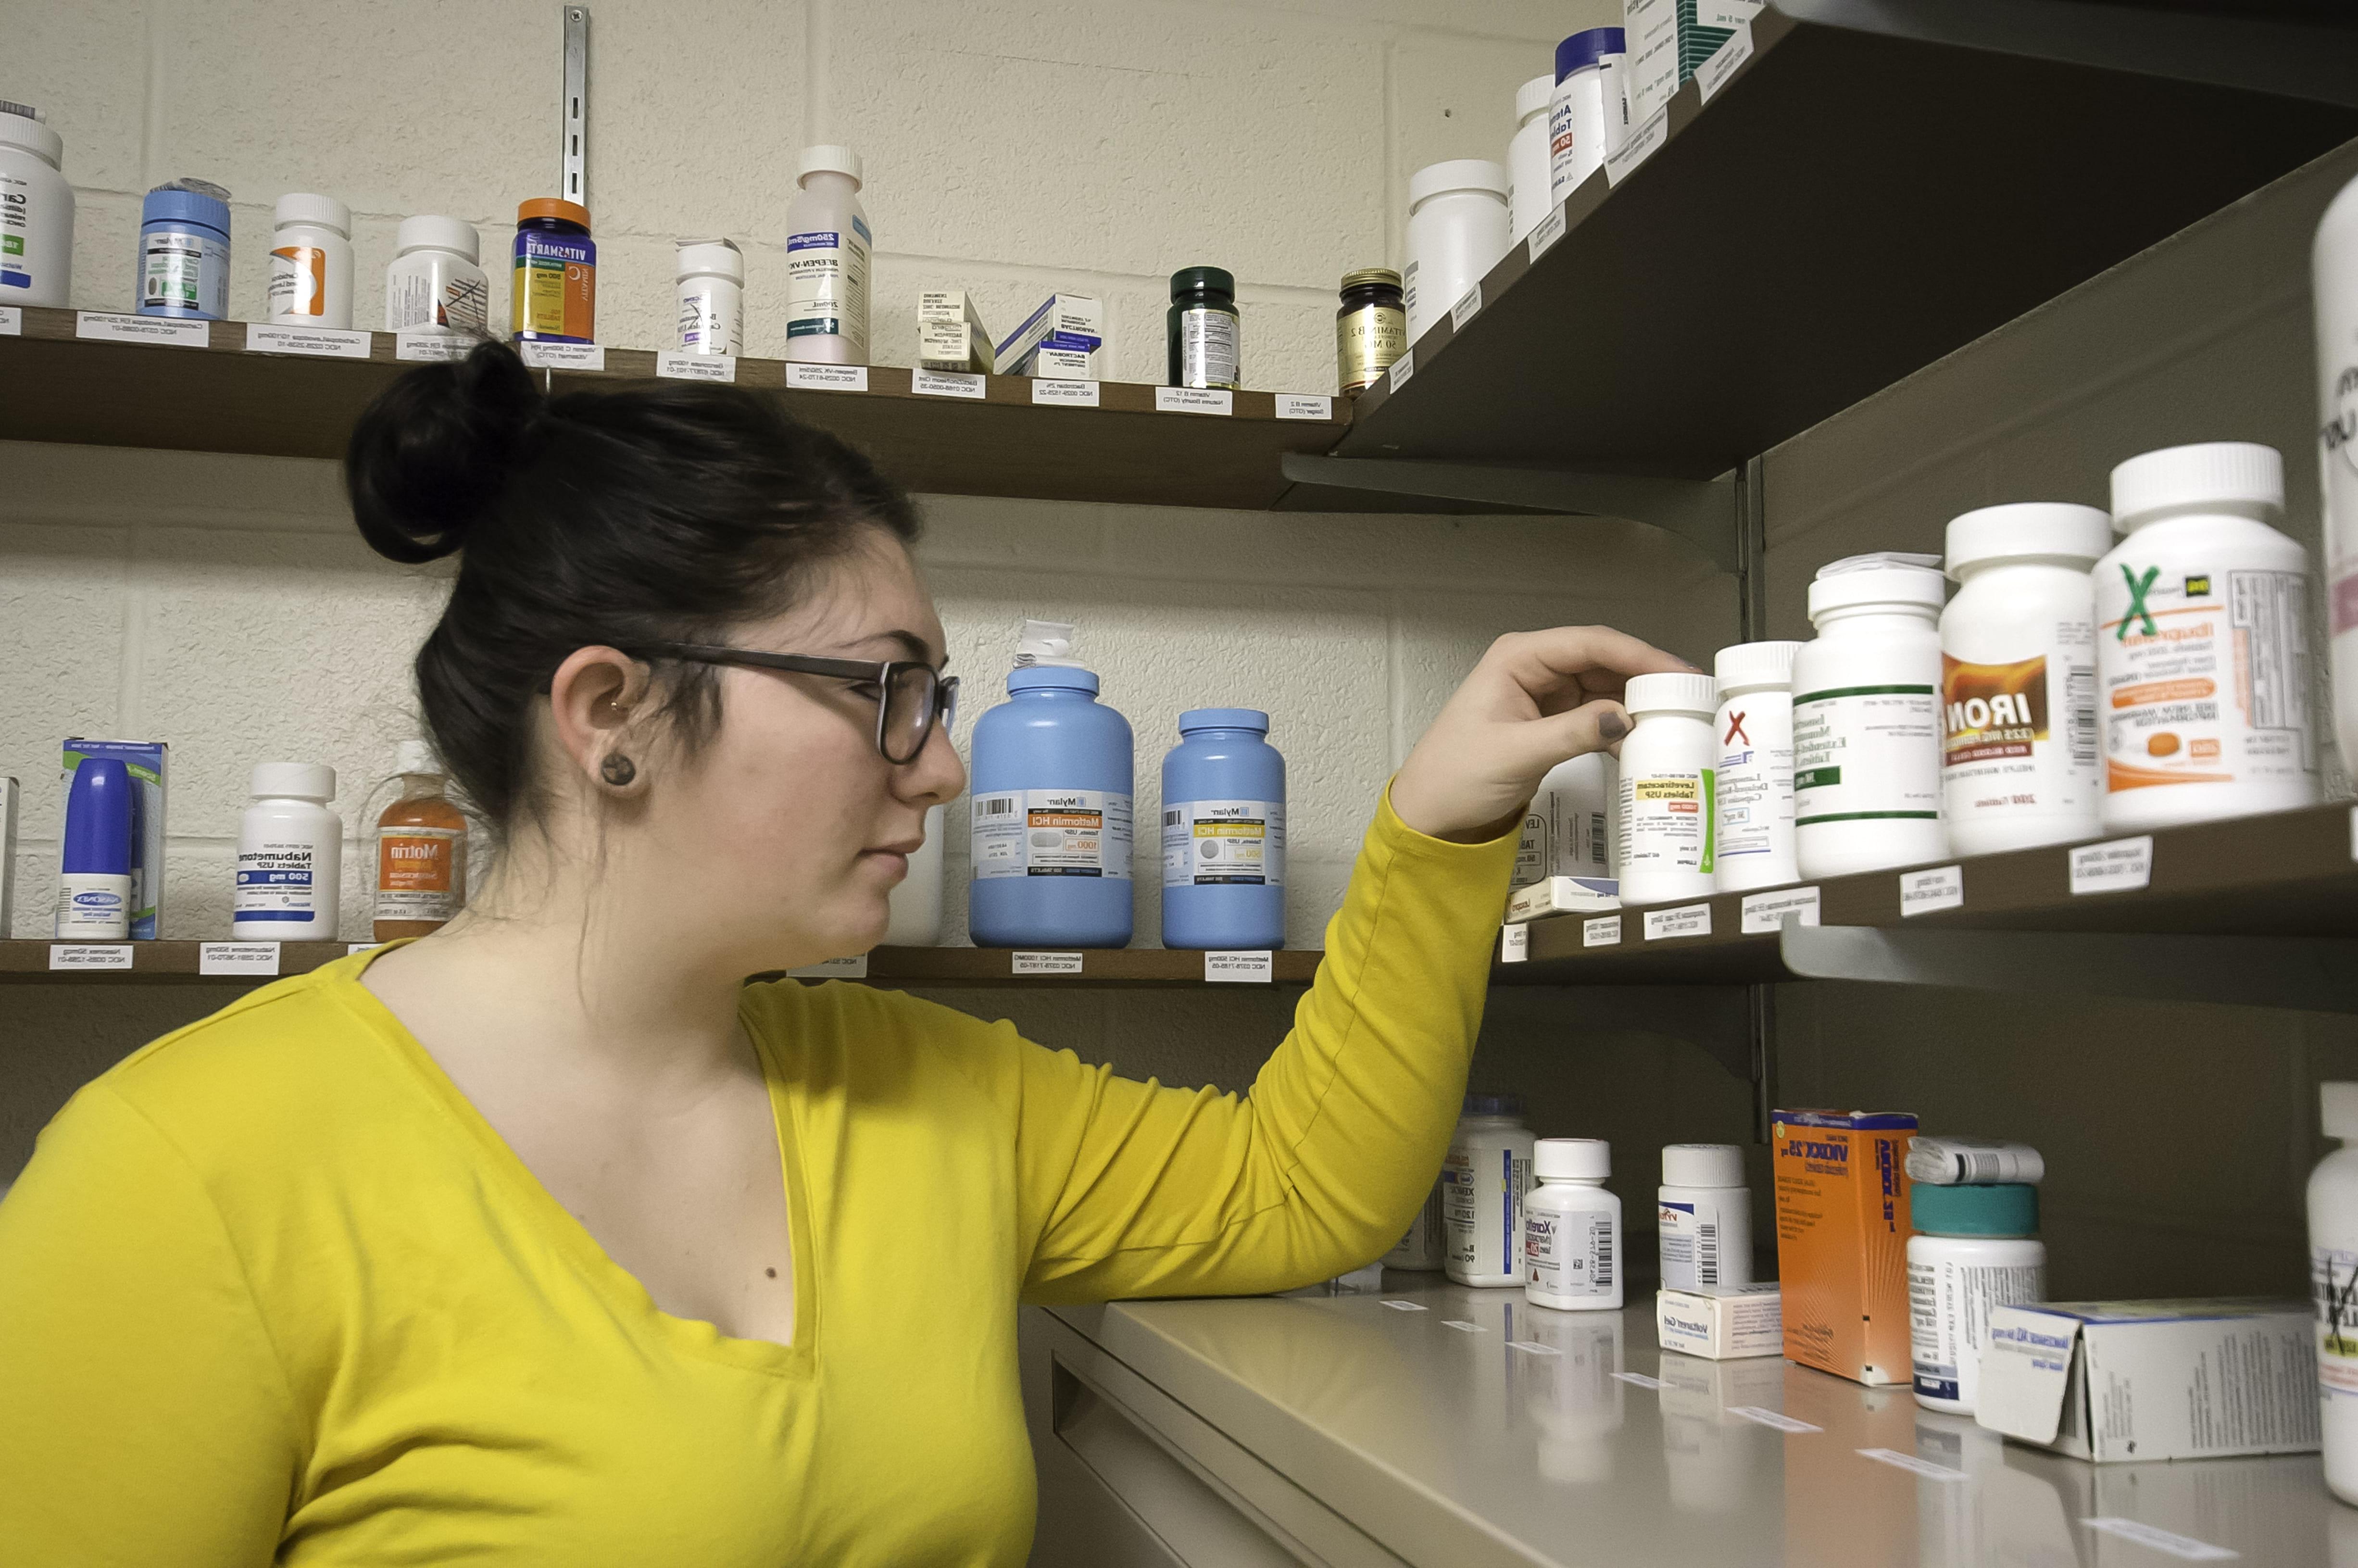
x=910, y=697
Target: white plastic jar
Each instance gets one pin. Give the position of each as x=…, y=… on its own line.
x=37, y=211
x=1571, y=1228
x=1704, y=1217
x=2202, y=642
x=290, y=856
x=1456, y=231
x=310, y=280
x=1568, y=828
x=1668, y=761
x=1529, y=176
x=434, y=284
x=1867, y=718
x=2019, y=677
x=1579, y=124
x=828, y=249
x=1484, y=1180
x=712, y=289
x=1975, y=1249
x=2334, y=263
x=2333, y=1287
x=1753, y=791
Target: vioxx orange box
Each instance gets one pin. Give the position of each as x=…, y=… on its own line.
x=1841, y=1239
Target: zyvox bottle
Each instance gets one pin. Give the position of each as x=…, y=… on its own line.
x=554, y=298
x=1867, y=718
x=1976, y=1249
x=290, y=856
x=1483, y=1182
x=1704, y=1217
x=310, y=280
x=827, y=246
x=1753, y=788
x=184, y=251
x=2202, y=642
x=2019, y=677
x=2333, y=1284
x=1224, y=833
x=37, y=211
x=1571, y=1228
x=2334, y=263
x=94, y=869
x=1050, y=842
x=1668, y=763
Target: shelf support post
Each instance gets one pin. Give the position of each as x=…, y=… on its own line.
x=573, y=150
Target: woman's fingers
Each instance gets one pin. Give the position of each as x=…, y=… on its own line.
x=1593, y=660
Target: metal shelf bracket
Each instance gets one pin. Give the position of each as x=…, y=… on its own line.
x=1700, y=511
x=2315, y=974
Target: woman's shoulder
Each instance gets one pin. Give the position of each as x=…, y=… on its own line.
x=873, y=1033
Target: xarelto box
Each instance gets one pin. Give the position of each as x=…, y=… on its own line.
x=2198, y=1379
x=1842, y=1240
x=1722, y=1323
x=145, y=761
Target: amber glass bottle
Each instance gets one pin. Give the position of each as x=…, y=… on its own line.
x=421, y=851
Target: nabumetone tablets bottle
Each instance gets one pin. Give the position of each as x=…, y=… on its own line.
x=1668, y=762
x=2333, y=1286
x=1976, y=1249
x=1483, y=1182
x=1754, y=786
x=290, y=856
x=2202, y=642
x=2019, y=677
x=1867, y=718
x=1571, y=1228
x=1702, y=1218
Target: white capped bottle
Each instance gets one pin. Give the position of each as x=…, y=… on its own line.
x=1752, y=790
x=290, y=856
x=1702, y=1217
x=711, y=292
x=2333, y=262
x=435, y=285
x=1456, y=231
x=2019, y=677
x=828, y=252
x=1867, y=718
x=1668, y=763
x=1571, y=1228
x=37, y=211
x=2333, y=1284
x=1568, y=828
x=1484, y=1180
x=1529, y=179
x=1975, y=1249
x=2202, y=650
x=310, y=280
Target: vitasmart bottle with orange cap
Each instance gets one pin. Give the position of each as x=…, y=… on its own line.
x=555, y=299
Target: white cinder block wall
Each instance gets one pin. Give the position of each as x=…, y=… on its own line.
x=225, y=604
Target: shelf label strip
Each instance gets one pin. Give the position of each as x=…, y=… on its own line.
x=320, y=342
x=946, y=384
x=1605, y=931
x=1514, y=944
x=1193, y=400
x=1070, y=394
x=1642, y=143
x=563, y=356
x=1468, y=306
x=2124, y=865
x=1546, y=233
x=237, y=958
x=1401, y=369
x=2161, y=1540
x=12, y=320
x=1305, y=405
x=1908, y=1462
x=1921, y=892
x=1726, y=61
x=1639, y=1380
x=1047, y=964
x=170, y=330
x=1406, y=1306
x=1461, y=1326
x=697, y=367
x=1765, y=912
x=1533, y=1347
x=1777, y=1419
x=1686, y=920
x=1238, y=966
x=828, y=378
x=90, y=955
x=420, y=345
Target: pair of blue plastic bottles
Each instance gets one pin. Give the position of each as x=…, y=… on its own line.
x=1053, y=831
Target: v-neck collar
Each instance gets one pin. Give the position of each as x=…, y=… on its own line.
x=621, y=1288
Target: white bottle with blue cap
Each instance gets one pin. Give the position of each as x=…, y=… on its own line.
x=1224, y=833
x=94, y=869
x=1580, y=128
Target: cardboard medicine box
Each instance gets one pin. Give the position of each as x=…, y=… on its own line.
x=2198, y=1379
x=146, y=761
x=1062, y=340
x=950, y=333
x=1722, y=1323
x=1842, y=1240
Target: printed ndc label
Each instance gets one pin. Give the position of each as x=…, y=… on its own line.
x=1051, y=833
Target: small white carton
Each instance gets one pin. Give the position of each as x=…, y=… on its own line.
x=1563, y=895
x=1063, y=340
x=1721, y=1322
x=2198, y=1379
x=950, y=333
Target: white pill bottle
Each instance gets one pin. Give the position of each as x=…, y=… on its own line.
x=1704, y=1217
x=1571, y=1228
x=2019, y=677
x=290, y=856
x=2333, y=1287
x=1568, y=828
x=1668, y=765
x=2334, y=260
x=711, y=290
x=1456, y=231
x=1483, y=1182
x=310, y=280
x=1530, y=179
x=37, y=211
x=1976, y=1249
x=1867, y=718
x=1754, y=786
x=2202, y=650
x=434, y=284
x=828, y=249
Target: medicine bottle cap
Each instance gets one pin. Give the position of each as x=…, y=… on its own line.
x=2214, y=476
x=1378, y=276
x=1572, y=1159
x=176, y=204
x=1251, y=719
x=296, y=780
x=430, y=231
x=320, y=211
x=1679, y=691
x=1051, y=678
x=2340, y=1103
x=1583, y=50
x=2051, y=530
x=1494, y=1104
x=101, y=807
x=21, y=127
x=2006, y=1209
x=1457, y=174
x=721, y=257
x=1533, y=97
x=415, y=757
x=1753, y=665
x=1702, y=1165
x=553, y=207
x=1885, y=577
x=1190, y=280
x=831, y=158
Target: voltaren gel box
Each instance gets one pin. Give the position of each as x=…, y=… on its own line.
x=1721, y=1322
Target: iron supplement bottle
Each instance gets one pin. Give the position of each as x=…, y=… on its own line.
x=1867, y=719
x=1050, y=837
x=1224, y=833
x=1668, y=763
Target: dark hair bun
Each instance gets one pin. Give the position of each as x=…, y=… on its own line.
x=430, y=458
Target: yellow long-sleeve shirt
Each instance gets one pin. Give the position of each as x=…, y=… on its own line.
x=272, y=1291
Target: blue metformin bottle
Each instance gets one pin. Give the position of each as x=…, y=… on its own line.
x=1052, y=830
x=1224, y=833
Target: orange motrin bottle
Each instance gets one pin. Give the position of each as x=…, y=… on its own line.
x=421, y=851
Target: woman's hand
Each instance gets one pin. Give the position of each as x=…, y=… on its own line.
x=1536, y=699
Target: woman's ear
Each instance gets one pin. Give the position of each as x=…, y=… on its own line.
x=594, y=699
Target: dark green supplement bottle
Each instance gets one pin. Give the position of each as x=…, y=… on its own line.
x=1203, y=328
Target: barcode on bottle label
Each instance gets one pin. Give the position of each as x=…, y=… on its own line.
x=2079, y=703
x=996, y=805
x=1707, y=1253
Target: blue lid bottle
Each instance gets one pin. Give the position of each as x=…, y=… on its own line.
x=95, y=880
x=184, y=251
x=1224, y=833
x=1051, y=844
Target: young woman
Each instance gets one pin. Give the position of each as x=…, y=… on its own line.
x=547, y=1240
